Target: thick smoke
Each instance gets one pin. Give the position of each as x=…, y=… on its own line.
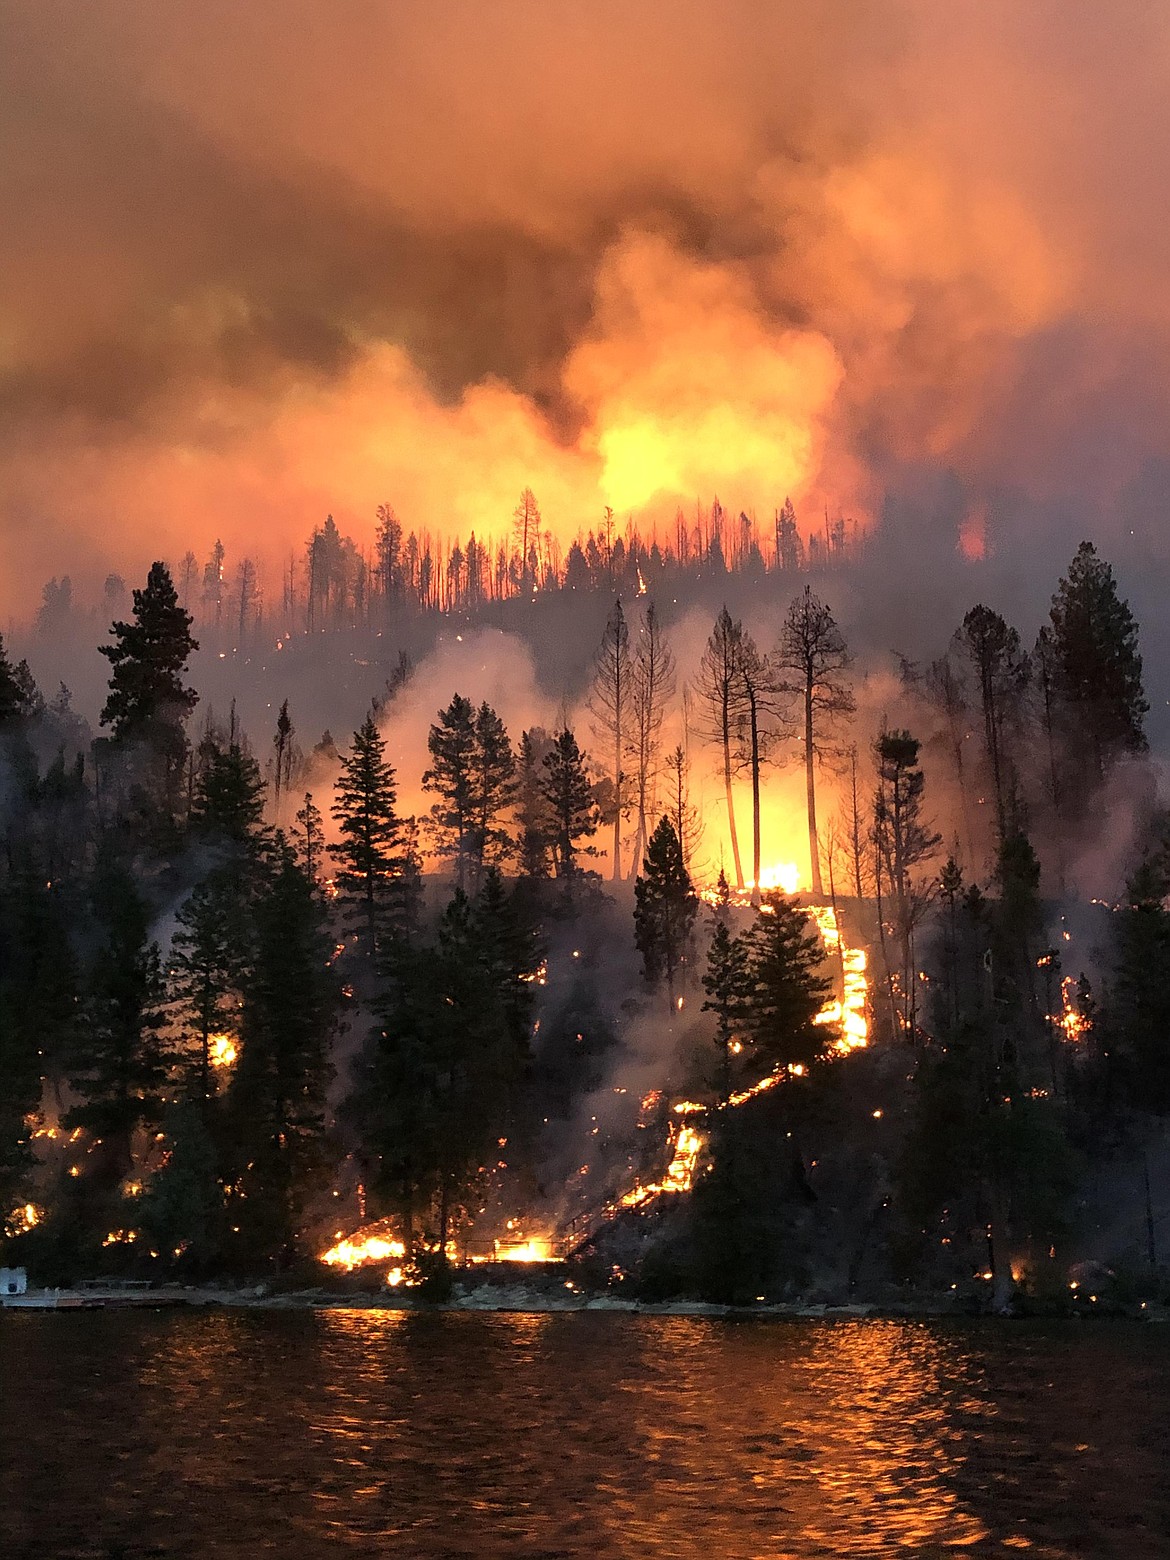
x=267, y=262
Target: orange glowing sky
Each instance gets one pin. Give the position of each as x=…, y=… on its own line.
x=269, y=262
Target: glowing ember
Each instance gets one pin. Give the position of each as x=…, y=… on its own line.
x=23, y=1219
x=532, y=1250
x=222, y=1050
x=1074, y=1023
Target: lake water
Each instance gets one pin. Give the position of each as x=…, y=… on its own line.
x=302, y=1434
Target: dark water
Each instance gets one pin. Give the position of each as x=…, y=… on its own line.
x=248, y=1434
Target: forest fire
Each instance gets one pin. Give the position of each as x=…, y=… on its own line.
x=222, y=1051
x=1072, y=1019
x=849, y=1012
x=366, y=1246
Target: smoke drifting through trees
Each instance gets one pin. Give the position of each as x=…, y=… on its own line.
x=367, y=1013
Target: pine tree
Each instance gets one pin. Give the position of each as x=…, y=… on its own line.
x=229, y=798
x=493, y=791
x=207, y=959
x=566, y=789
x=284, y=741
x=665, y=906
x=1002, y=673
x=903, y=841
x=728, y=984
x=438, y=1082
x=533, y=814
x=509, y=950
x=1097, y=664
x=452, y=745
x=278, y=1091
x=38, y=1010
x=120, y=1062
x=611, y=704
x=369, y=854
x=19, y=697
x=813, y=662
x=789, y=987
x=308, y=838
x=148, y=703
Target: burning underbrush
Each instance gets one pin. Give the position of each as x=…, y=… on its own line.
x=644, y=1162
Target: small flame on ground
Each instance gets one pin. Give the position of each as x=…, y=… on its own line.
x=23, y=1219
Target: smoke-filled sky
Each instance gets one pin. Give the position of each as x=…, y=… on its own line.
x=263, y=261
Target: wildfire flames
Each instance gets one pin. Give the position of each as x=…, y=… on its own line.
x=686, y=1140
x=23, y=1219
x=362, y=1248
x=1070, y=1018
x=850, y=1011
x=222, y=1050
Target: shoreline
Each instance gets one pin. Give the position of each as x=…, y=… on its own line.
x=522, y=1300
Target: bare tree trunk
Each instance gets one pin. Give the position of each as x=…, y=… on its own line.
x=755, y=735
x=731, y=804
x=810, y=786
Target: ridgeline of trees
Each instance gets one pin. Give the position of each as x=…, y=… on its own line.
x=335, y=583
x=223, y=1022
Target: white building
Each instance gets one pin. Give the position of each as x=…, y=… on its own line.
x=13, y=1281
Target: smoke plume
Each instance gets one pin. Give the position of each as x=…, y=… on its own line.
x=267, y=262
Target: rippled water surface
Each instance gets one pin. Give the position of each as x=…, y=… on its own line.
x=249, y=1433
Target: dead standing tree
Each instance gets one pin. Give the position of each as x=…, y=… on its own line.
x=611, y=705
x=652, y=687
x=720, y=691
x=812, y=660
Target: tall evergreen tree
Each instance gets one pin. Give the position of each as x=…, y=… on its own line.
x=533, y=814
x=1097, y=664
x=19, y=696
x=148, y=702
x=208, y=956
x=665, y=906
x=1002, y=673
x=229, y=798
x=278, y=1092
x=903, y=842
x=452, y=745
x=38, y=1010
x=308, y=838
x=370, y=852
x=120, y=1061
x=437, y=1084
x=493, y=791
x=728, y=983
x=789, y=986
x=284, y=757
x=566, y=789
